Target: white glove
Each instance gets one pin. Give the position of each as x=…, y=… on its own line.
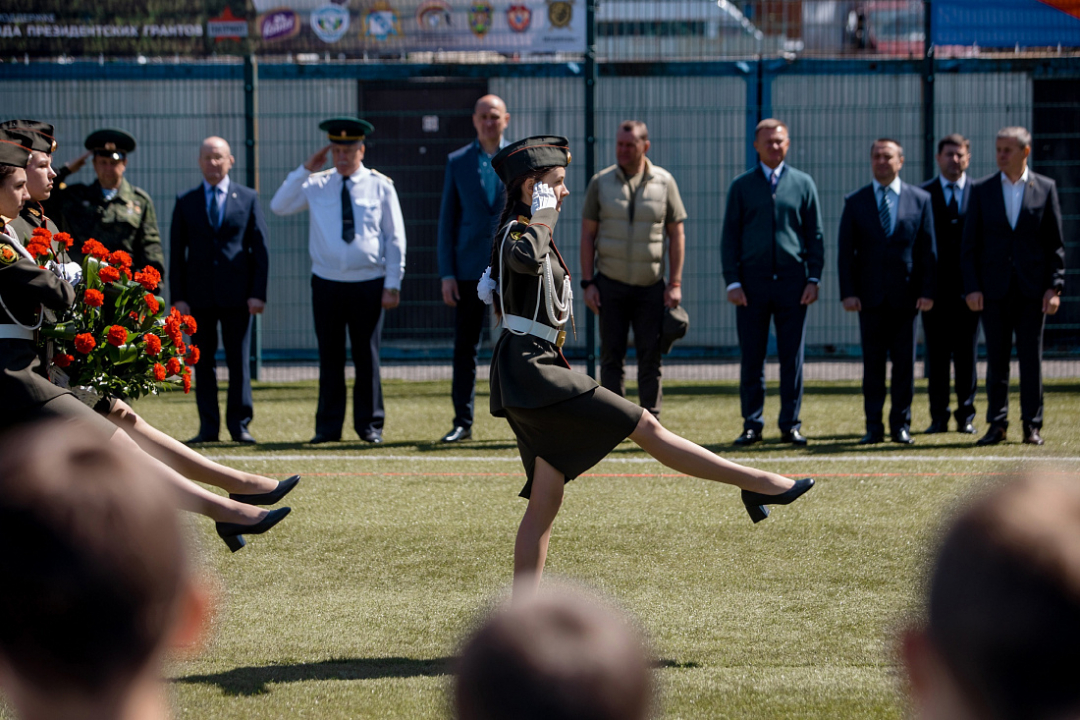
x=543, y=198
x=72, y=272
x=486, y=287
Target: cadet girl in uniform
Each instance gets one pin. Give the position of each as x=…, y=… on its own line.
x=25, y=394
x=564, y=422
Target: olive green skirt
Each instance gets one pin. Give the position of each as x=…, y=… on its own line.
x=572, y=435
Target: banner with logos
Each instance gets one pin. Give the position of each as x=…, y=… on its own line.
x=352, y=28
x=1007, y=23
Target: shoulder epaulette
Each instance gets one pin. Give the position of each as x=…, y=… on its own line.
x=384, y=177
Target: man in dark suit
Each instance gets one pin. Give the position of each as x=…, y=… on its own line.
x=217, y=274
x=886, y=263
x=1013, y=261
x=951, y=329
x=473, y=197
x=773, y=252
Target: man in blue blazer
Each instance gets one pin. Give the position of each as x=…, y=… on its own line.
x=472, y=201
x=217, y=273
x=951, y=329
x=887, y=261
x=1013, y=260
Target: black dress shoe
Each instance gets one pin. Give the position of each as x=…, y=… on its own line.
x=748, y=437
x=1032, y=437
x=937, y=427
x=458, y=434
x=233, y=533
x=903, y=437
x=967, y=428
x=201, y=438
x=755, y=502
x=993, y=436
x=268, y=498
x=372, y=436
x=794, y=437
x=244, y=437
x=871, y=438
x=321, y=438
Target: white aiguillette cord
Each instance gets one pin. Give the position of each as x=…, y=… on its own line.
x=557, y=311
x=22, y=251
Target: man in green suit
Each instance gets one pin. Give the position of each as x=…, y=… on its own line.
x=772, y=250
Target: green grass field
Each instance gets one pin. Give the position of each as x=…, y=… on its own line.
x=354, y=606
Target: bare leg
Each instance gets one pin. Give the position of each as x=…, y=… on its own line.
x=530, y=549
x=690, y=458
x=183, y=459
x=194, y=498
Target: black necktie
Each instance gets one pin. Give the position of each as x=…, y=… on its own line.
x=214, y=211
x=954, y=206
x=348, y=226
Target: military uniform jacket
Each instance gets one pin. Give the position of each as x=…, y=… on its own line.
x=527, y=371
x=31, y=218
x=24, y=288
x=128, y=222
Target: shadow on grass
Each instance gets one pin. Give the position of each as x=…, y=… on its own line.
x=254, y=680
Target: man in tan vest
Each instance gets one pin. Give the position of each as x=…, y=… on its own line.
x=632, y=210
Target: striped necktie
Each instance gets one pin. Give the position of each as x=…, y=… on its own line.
x=884, y=214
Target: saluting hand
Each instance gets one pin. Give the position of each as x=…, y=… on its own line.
x=543, y=198
x=76, y=164
x=316, y=161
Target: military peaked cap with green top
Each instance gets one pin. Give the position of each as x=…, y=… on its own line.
x=40, y=134
x=532, y=153
x=111, y=143
x=346, y=130
x=14, y=148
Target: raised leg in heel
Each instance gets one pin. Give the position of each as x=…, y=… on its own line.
x=757, y=512
x=235, y=542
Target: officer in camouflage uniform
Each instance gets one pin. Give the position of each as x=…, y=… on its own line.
x=39, y=176
x=110, y=210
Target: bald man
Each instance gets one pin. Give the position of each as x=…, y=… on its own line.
x=217, y=274
x=472, y=201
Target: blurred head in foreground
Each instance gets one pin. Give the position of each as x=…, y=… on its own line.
x=1002, y=639
x=95, y=575
x=558, y=656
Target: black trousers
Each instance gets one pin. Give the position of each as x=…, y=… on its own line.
x=235, y=325
x=778, y=301
x=624, y=306
x=951, y=331
x=1002, y=318
x=355, y=307
x=468, y=327
x=888, y=334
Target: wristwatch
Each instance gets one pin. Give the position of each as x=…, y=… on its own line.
x=586, y=283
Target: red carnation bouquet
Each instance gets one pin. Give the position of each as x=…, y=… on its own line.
x=116, y=341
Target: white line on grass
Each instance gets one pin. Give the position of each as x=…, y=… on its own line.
x=749, y=459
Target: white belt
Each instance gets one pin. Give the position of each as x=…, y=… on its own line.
x=14, y=332
x=545, y=332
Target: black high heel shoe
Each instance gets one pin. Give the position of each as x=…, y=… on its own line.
x=233, y=533
x=755, y=502
x=268, y=498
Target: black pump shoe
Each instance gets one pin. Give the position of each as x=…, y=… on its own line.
x=232, y=533
x=755, y=502
x=268, y=498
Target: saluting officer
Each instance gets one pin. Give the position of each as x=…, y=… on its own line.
x=357, y=246
x=39, y=176
x=110, y=210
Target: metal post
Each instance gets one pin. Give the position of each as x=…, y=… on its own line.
x=590, y=155
x=251, y=178
x=928, y=91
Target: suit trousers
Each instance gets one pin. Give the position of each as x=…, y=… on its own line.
x=355, y=307
x=624, y=306
x=236, y=325
x=776, y=300
x=468, y=327
x=888, y=334
x=951, y=331
x=1001, y=318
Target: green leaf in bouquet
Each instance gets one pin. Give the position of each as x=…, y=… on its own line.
x=61, y=331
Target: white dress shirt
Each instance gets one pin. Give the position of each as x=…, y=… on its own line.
x=892, y=197
x=378, y=249
x=779, y=169
x=1014, y=195
x=960, y=184
x=222, y=189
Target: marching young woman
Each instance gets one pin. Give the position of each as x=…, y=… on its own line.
x=25, y=291
x=564, y=422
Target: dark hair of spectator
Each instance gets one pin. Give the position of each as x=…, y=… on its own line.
x=769, y=124
x=641, y=132
x=954, y=139
x=887, y=140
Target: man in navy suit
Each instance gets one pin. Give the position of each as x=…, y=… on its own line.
x=217, y=274
x=1013, y=260
x=951, y=329
x=472, y=201
x=887, y=263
